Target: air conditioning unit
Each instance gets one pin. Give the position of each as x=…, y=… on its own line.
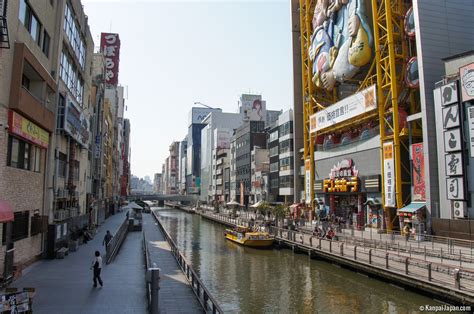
x=459, y=209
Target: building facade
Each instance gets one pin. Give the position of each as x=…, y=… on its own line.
x=357, y=158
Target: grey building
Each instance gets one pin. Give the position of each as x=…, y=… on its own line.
x=249, y=135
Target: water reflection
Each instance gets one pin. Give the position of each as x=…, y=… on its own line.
x=247, y=280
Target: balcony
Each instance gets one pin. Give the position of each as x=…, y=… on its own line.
x=32, y=88
x=64, y=214
x=219, y=172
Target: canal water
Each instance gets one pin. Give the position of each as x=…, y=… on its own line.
x=246, y=280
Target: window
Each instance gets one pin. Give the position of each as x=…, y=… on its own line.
x=285, y=146
x=274, y=183
x=285, y=129
x=30, y=21
x=73, y=33
x=286, y=182
x=20, y=226
x=23, y=155
x=273, y=136
x=273, y=151
x=274, y=167
x=286, y=164
x=46, y=42
x=70, y=76
x=25, y=82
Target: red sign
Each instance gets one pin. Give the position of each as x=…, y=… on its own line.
x=419, y=190
x=110, y=47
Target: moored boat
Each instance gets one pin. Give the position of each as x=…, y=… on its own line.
x=247, y=237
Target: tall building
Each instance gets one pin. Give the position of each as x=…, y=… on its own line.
x=28, y=89
x=454, y=112
x=193, y=152
x=259, y=167
x=183, y=147
x=216, y=133
x=172, y=170
x=157, y=184
x=247, y=136
x=358, y=117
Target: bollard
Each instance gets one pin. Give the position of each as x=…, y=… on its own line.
x=320, y=247
x=407, y=260
x=457, y=279
x=342, y=249
x=330, y=246
x=429, y=271
x=153, y=275
x=311, y=241
x=370, y=256
x=355, y=252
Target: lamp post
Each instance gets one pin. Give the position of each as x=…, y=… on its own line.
x=200, y=103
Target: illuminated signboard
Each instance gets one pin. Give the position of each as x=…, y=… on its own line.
x=26, y=129
x=341, y=185
x=110, y=47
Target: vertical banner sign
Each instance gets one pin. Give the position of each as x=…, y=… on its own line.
x=242, y=193
x=470, y=123
x=110, y=47
x=419, y=189
x=389, y=174
x=307, y=176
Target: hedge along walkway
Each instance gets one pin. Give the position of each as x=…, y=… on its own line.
x=65, y=285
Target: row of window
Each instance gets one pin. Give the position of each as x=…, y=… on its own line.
x=70, y=75
x=72, y=30
x=23, y=155
x=21, y=224
x=286, y=163
x=273, y=151
x=286, y=182
x=31, y=22
x=286, y=146
x=285, y=129
x=273, y=136
x=274, y=167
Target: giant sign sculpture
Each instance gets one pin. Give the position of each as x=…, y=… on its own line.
x=341, y=42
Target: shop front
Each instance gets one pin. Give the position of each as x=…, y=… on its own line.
x=348, y=198
x=412, y=220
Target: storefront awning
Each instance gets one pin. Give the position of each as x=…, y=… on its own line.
x=256, y=204
x=6, y=212
x=412, y=207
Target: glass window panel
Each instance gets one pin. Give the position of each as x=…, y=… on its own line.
x=26, y=156
x=22, y=12
x=15, y=149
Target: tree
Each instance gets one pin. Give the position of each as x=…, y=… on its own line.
x=264, y=208
x=280, y=211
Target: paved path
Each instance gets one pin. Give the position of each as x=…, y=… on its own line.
x=176, y=295
x=65, y=286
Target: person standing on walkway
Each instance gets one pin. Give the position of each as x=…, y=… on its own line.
x=108, y=236
x=97, y=267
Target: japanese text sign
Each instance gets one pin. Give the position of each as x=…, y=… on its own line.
x=110, y=47
x=26, y=129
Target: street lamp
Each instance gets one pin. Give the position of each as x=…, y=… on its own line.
x=200, y=103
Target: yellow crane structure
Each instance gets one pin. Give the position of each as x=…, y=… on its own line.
x=387, y=71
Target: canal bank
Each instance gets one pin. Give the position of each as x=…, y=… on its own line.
x=438, y=279
x=248, y=280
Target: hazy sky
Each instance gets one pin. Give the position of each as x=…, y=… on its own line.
x=174, y=53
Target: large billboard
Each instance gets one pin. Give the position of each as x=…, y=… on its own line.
x=222, y=138
x=75, y=122
x=253, y=107
x=110, y=47
x=345, y=109
x=197, y=115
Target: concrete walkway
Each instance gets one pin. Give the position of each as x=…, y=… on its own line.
x=65, y=286
x=176, y=295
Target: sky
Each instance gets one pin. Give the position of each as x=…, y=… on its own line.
x=175, y=53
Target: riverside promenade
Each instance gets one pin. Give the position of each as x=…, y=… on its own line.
x=409, y=267
x=65, y=285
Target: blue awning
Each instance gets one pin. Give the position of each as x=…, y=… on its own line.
x=412, y=207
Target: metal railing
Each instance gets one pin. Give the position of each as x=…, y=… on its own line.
x=207, y=301
x=146, y=256
x=443, y=275
x=428, y=245
x=115, y=243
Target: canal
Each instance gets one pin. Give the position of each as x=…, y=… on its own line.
x=249, y=280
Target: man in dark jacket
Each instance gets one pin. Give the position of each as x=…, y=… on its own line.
x=108, y=236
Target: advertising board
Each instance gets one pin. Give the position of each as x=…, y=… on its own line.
x=110, y=47
x=27, y=130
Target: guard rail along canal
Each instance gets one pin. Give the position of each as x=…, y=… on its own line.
x=205, y=298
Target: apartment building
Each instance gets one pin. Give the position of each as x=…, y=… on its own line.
x=28, y=90
x=260, y=166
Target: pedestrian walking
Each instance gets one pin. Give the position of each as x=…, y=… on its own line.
x=108, y=236
x=97, y=267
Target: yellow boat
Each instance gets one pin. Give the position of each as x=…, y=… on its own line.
x=245, y=236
